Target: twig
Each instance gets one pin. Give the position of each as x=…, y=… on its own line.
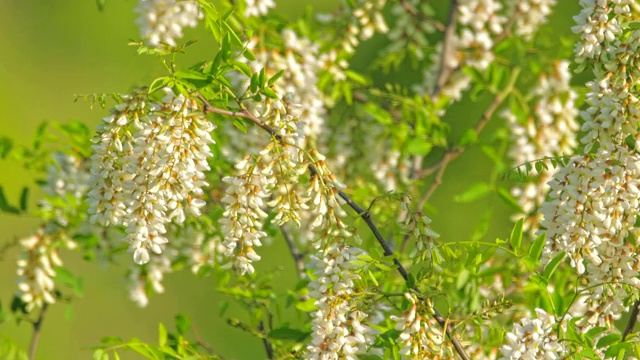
x=633, y=319
x=295, y=253
x=268, y=348
x=450, y=155
x=444, y=323
x=449, y=33
x=37, y=327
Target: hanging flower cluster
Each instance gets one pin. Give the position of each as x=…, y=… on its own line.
x=421, y=336
x=339, y=329
x=162, y=21
x=534, y=338
x=550, y=133
x=411, y=27
x=148, y=168
x=593, y=207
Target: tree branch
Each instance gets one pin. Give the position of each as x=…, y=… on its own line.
x=449, y=33
x=444, y=323
x=633, y=319
x=295, y=253
x=268, y=348
x=37, y=327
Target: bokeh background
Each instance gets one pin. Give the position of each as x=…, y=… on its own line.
x=51, y=50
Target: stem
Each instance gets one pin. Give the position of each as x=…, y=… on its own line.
x=268, y=348
x=633, y=319
x=295, y=253
x=444, y=323
x=37, y=327
x=447, y=42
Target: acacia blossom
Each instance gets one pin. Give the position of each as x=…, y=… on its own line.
x=339, y=327
x=599, y=27
x=550, y=133
x=162, y=21
x=421, y=336
x=530, y=14
x=258, y=7
x=533, y=338
x=148, y=169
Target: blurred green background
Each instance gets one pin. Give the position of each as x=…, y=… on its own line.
x=51, y=50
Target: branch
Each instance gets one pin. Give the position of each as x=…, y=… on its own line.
x=633, y=319
x=447, y=42
x=268, y=348
x=295, y=253
x=37, y=327
x=444, y=323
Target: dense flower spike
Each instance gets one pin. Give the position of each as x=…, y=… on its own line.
x=421, y=337
x=549, y=134
x=533, y=338
x=258, y=7
x=148, y=169
x=339, y=329
x=162, y=21
x=599, y=27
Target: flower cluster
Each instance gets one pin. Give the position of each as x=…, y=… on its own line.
x=162, y=21
x=148, y=168
x=534, y=339
x=426, y=247
x=597, y=26
x=421, y=336
x=38, y=257
x=258, y=7
x=550, y=133
x=339, y=329
x=366, y=20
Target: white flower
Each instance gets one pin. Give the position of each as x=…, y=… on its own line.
x=162, y=21
x=533, y=338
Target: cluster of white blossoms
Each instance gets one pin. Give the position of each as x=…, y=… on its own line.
x=258, y=7
x=365, y=20
x=162, y=21
x=593, y=207
x=479, y=22
x=551, y=132
x=36, y=260
x=148, y=168
x=421, y=336
x=339, y=328
x=143, y=280
x=598, y=26
x=529, y=14
x=534, y=338
x=67, y=183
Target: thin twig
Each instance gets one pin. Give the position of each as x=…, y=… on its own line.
x=295, y=253
x=633, y=319
x=447, y=43
x=444, y=323
x=268, y=348
x=37, y=327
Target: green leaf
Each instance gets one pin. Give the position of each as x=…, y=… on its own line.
x=356, y=77
x=100, y=354
x=159, y=83
x=100, y=4
x=270, y=93
x=182, y=324
x=242, y=67
x=608, y=340
x=190, y=74
x=553, y=265
x=239, y=124
x=474, y=192
x=535, y=250
x=417, y=146
x=24, y=198
x=469, y=137
x=286, y=333
x=307, y=306
x=509, y=199
x=516, y=236
x=275, y=78
x=162, y=335
x=6, y=145
x=4, y=205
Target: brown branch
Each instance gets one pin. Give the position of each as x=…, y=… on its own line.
x=366, y=216
x=37, y=327
x=633, y=319
x=449, y=33
x=295, y=253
